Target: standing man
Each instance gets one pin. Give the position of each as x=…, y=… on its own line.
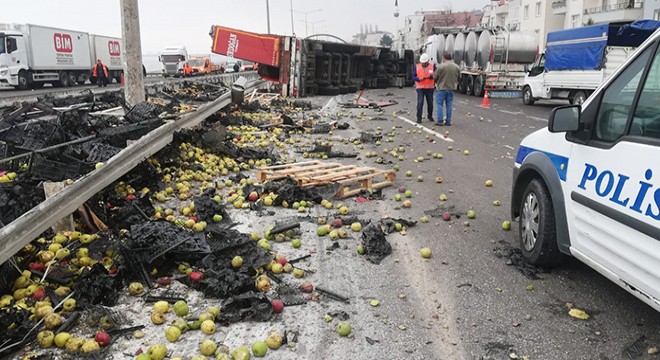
x=100, y=73
x=445, y=79
x=423, y=76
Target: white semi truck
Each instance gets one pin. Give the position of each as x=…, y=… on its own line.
x=577, y=61
x=173, y=58
x=33, y=55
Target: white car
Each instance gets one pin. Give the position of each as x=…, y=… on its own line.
x=588, y=185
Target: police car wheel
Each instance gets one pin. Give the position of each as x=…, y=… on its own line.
x=538, y=237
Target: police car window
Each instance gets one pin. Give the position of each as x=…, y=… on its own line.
x=617, y=100
x=646, y=121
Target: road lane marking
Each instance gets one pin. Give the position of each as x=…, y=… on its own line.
x=510, y=112
x=438, y=135
x=537, y=118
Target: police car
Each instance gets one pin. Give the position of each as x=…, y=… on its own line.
x=588, y=185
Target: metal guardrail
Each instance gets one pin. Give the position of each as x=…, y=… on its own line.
x=613, y=7
x=28, y=226
x=31, y=96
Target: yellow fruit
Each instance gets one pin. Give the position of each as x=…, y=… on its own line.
x=157, y=318
x=89, y=346
x=274, y=341
x=52, y=320
x=172, y=334
x=45, y=339
x=208, y=347
x=208, y=327
x=73, y=344
x=61, y=339
x=162, y=307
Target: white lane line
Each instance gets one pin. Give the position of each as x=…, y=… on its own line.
x=438, y=135
x=537, y=118
x=510, y=112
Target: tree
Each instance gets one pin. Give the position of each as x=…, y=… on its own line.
x=386, y=41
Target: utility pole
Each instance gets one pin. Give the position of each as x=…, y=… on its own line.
x=133, y=79
x=268, y=15
x=291, y=5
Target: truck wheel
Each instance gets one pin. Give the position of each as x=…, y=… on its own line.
x=479, y=86
x=462, y=84
x=469, y=87
x=72, y=78
x=578, y=98
x=23, y=80
x=537, y=230
x=64, y=80
x=528, y=98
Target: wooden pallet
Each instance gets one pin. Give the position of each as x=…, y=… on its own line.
x=351, y=179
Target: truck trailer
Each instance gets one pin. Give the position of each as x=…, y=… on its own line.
x=577, y=61
x=33, y=55
x=495, y=60
x=111, y=52
x=310, y=66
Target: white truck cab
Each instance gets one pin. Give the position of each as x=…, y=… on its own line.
x=173, y=58
x=588, y=185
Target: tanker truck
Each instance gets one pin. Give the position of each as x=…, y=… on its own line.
x=490, y=59
x=577, y=61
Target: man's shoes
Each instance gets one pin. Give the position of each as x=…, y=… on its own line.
x=419, y=121
x=431, y=119
x=439, y=123
x=447, y=124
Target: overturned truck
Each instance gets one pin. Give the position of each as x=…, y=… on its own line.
x=310, y=66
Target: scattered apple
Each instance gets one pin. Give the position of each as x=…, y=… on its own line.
x=45, y=338
x=237, y=262
x=102, y=338
x=356, y=226
x=295, y=243
x=506, y=225
x=443, y=197
x=471, y=214
x=360, y=249
x=208, y=327
x=446, y=216
x=157, y=351
x=278, y=306
x=408, y=194
x=344, y=328
x=274, y=341
x=425, y=252
x=259, y=349
x=496, y=203
x=298, y=273
x=208, y=347
x=181, y=308
x=489, y=183
x=407, y=204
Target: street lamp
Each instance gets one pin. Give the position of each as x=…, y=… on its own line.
x=268, y=15
x=305, y=13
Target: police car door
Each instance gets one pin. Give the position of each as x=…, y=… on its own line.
x=614, y=178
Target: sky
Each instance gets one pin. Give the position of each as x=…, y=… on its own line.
x=166, y=22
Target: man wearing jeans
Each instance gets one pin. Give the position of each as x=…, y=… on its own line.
x=423, y=76
x=446, y=78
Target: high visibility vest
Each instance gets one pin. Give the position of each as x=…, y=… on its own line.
x=423, y=72
x=95, y=72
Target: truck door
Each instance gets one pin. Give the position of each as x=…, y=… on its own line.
x=534, y=78
x=613, y=177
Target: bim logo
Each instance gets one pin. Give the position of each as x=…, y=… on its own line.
x=63, y=43
x=114, y=48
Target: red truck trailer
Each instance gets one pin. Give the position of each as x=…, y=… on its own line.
x=307, y=67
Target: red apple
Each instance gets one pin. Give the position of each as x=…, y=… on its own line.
x=446, y=216
x=102, y=338
x=195, y=276
x=282, y=261
x=164, y=281
x=40, y=294
x=402, y=189
x=131, y=197
x=37, y=266
x=278, y=306
x=253, y=196
x=337, y=223
x=306, y=287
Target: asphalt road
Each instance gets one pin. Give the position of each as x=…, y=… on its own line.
x=468, y=301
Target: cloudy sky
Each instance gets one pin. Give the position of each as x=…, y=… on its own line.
x=167, y=22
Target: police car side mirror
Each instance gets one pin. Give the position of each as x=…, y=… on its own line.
x=565, y=119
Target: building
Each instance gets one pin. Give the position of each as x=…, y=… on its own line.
x=419, y=26
x=538, y=16
x=370, y=36
x=652, y=9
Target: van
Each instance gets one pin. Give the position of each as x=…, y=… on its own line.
x=588, y=185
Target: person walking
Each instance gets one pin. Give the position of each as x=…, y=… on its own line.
x=100, y=73
x=423, y=76
x=445, y=78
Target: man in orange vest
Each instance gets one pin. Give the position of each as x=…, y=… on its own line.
x=423, y=76
x=100, y=73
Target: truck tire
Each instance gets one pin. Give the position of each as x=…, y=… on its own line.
x=528, y=98
x=578, y=98
x=64, y=80
x=469, y=86
x=462, y=84
x=23, y=80
x=479, y=84
x=73, y=78
x=537, y=229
